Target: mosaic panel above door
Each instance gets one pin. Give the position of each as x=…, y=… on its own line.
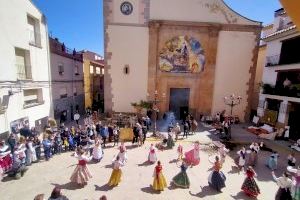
x=182, y=54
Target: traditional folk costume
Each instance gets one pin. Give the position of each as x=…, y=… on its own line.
x=249, y=186
x=223, y=152
x=216, y=178
x=241, y=160
x=159, y=182
x=123, y=154
x=180, y=152
x=272, y=161
x=254, y=149
x=81, y=174
x=5, y=160
x=152, y=158
x=296, y=183
x=116, y=174
x=97, y=152
x=284, y=184
x=192, y=157
x=30, y=153
x=182, y=179
x=170, y=142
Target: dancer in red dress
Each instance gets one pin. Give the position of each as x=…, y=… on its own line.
x=249, y=186
x=81, y=174
x=192, y=157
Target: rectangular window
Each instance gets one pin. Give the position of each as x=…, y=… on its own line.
x=23, y=64
x=61, y=68
x=98, y=71
x=63, y=93
x=33, y=97
x=33, y=27
x=91, y=69
x=102, y=71
x=76, y=70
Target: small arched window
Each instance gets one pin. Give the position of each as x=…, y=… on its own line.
x=126, y=69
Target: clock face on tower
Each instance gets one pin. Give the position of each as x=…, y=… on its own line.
x=126, y=8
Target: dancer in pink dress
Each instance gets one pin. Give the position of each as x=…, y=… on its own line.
x=81, y=174
x=192, y=157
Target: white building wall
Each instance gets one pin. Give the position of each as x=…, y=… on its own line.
x=14, y=33
x=132, y=87
x=232, y=69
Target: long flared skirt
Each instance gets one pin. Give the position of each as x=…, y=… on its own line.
x=181, y=180
x=159, y=183
x=283, y=194
x=250, y=187
x=190, y=158
x=170, y=143
x=81, y=175
x=296, y=192
x=217, y=180
x=115, y=177
x=152, y=157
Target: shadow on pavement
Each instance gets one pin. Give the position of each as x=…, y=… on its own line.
x=149, y=190
x=146, y=163
x=103, y=188
x=206, y=191
x=68, y=186
x=241, y=196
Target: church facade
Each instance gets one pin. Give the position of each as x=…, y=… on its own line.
x=188, y=55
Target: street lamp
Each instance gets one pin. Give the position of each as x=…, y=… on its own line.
x=232, y=101
x=154, y=102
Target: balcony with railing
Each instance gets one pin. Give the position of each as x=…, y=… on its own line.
x=23, y=72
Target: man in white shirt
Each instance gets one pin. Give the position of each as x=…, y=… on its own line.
x=77, y=117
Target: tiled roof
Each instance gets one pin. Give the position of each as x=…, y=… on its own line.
x=279, y=32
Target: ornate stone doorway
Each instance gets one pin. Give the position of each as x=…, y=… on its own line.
x=179, y=101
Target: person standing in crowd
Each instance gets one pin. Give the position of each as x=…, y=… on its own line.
x=144, y=130
x=291, y=160
x=176, y=130
x=12, y=141
x=116, y=174
x=136, y=131
x=56, y=194
x=37, y=145
x=170, y=142
x=216, y=178
x=30, y=152
x=159, y=181
x=5, y=158
x=110, y=133
x=57, y=143
x=81, y=174
x=104, y=134
x=47, y=147
x=285, y=184
x=116, y=133
x=182, y=179
x=185, y=129
x=77, y=117
x=152, y=158
x=254, y=148
x=223, y=152
x=192, y=157
x=250, y=186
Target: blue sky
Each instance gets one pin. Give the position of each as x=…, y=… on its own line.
x=79, y=23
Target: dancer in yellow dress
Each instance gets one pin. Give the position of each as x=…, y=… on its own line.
x=116, y=174
x=159, y=182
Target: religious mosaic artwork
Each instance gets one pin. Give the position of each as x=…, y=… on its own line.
x=182, y=54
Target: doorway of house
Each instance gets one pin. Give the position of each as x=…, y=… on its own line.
x=179, y=102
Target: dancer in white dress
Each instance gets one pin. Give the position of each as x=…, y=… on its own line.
x=152, y=158
x=122, y=154
x=97, y=151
